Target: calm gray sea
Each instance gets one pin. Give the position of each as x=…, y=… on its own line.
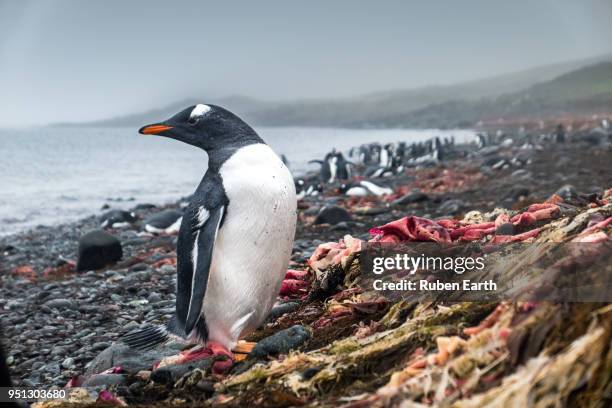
x=53, y=175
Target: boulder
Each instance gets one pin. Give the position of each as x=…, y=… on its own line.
x=281, y=342
x=130, y=360
x=97, y=248
x=412, y=197
x=567, y=192
x=172, y=373
x=332, y=215
x=451, y=207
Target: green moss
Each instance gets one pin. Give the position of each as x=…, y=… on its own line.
x=345, y=347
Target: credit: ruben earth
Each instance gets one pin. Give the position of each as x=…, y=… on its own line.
x=437, y=285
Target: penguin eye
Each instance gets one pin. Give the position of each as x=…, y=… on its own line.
x=193, y=120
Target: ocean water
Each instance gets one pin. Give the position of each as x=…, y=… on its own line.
x=54, y=175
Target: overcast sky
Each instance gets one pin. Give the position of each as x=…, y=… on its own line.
x=77, y=60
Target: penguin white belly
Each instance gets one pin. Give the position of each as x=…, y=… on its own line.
x=253, y=246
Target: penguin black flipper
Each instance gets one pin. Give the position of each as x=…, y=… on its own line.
x=206, y=224
x=201, y=221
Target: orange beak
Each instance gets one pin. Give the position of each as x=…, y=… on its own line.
x=154, y=129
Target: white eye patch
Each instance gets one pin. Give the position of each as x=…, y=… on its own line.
x=199, y=110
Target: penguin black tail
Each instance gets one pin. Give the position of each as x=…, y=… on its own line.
x=146, y=338
x=154, y=335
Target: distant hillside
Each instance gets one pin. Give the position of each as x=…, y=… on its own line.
x=548, y=88
x=585, y=90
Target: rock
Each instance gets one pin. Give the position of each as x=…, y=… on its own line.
x=167, y=269
x=341, y=226
x=98, y=248
x=516, y=193
x=167, y=221
x=98, y=380
x=144, y=206
x=279, y=310
x=567, y=192
x=332, y=215
x=117, y=219
x=412, y=197
x=207, y=387
x=101, y=345
x=14, y=304
x=371, y=211
x=68, y=363
x=130, y=360
x=172, y=373
x=520, y=173
x=311, y=211
x=451, y=207
x=61, y=304
x=505, y=229
x=281, y=342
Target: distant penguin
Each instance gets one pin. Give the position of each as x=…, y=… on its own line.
x=236, y=236
x=365, y=155
x=334, y=167
x=165, y=222
x=481, y=141
x=385, y=156
x=343, y=167
x=327, y=172
x=117, y=219
x=307, y=188
x=364, y=188
x=434, y=156
x=559, y=134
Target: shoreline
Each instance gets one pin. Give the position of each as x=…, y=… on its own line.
x=59, y=322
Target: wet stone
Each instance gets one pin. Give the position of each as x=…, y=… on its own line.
x=281, y=342
x=61, y=304
x=104, y=380
x=282, y=309
x=172, y=373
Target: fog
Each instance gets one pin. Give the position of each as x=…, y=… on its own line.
x=73, y=61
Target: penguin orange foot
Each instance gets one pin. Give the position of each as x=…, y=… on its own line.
x=212, y=349
x=244, y=347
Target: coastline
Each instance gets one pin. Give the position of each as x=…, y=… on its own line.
x=58, y=321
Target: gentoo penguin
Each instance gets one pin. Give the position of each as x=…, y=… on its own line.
x=307, y=188
x=364, y=188
x=165, y=222
x=334, y=167
x=343, y=166
x=117, y=219
x=236, y=235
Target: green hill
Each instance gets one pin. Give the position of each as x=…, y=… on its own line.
x=585, y=90
x=578, y=86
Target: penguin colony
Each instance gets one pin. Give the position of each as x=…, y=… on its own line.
x=372, y=163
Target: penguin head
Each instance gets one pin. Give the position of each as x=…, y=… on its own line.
x=208, y=127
